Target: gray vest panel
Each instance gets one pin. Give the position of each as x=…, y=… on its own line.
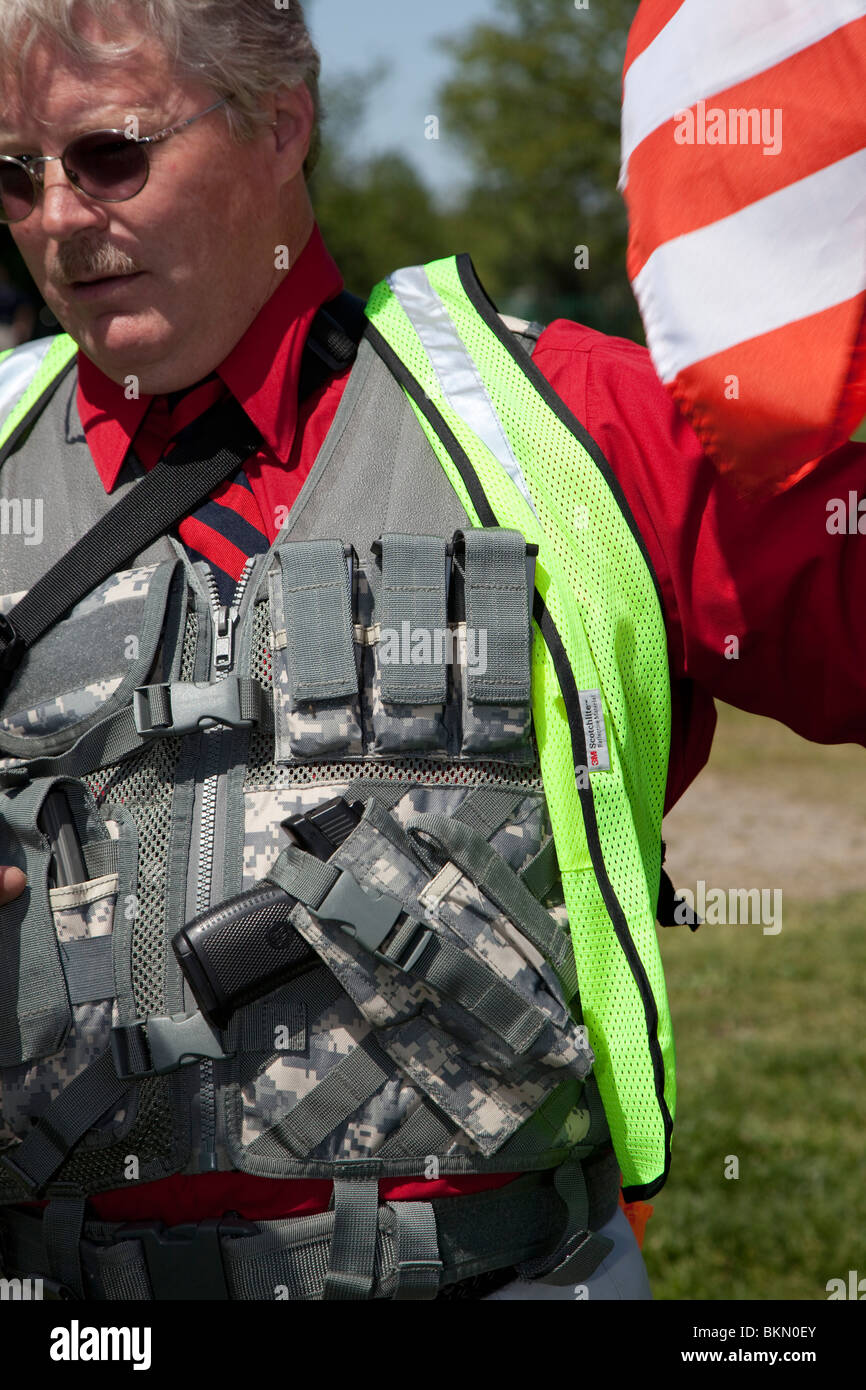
x=53, y=473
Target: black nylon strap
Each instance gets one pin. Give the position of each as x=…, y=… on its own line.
x=223, y=443
x=225, y=440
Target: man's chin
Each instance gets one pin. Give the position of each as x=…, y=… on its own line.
x=126, y=346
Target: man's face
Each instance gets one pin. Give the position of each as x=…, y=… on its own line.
x=199, y=240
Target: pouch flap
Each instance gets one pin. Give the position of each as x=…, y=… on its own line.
x=87, y=665
x=317, y=628
x=413, y=600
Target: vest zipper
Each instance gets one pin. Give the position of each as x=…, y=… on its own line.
x=224, y=618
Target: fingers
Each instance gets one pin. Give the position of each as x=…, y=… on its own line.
x=12, y=884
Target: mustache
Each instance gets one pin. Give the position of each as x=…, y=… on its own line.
x=77, y=260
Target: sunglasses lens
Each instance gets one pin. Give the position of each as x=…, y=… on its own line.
x=106, y=165
x=17, y=194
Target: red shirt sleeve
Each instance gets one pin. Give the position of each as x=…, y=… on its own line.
x=759, y=597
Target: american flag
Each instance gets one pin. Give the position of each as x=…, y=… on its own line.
x=744, y=174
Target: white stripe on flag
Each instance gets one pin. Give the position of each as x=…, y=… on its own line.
x=795, y=253
x=710, y=45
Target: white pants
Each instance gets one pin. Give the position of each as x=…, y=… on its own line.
x=621, y=1274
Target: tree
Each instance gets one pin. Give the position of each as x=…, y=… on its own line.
x=375, y=212
x=535, y=103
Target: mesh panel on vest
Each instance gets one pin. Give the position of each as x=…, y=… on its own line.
x=617, y=645
x=150, y=1139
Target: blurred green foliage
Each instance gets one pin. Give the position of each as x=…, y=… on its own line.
x=534, y=103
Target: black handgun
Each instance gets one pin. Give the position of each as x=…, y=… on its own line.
x=247, y=947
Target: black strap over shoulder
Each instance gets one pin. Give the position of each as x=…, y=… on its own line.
x=225, y=439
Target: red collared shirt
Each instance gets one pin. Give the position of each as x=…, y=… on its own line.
x=769, y=575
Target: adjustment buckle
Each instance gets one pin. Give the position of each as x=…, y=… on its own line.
x=184, y=707
x=370, y=918
x=409, y=952
x=366, y=916
x=185, y=1262
x=157, y=1046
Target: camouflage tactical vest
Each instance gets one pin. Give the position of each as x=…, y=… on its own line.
x=453, y=1045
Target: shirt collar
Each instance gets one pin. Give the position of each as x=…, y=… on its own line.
x=262, y=370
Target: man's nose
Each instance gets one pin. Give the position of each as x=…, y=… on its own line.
x=64, y=207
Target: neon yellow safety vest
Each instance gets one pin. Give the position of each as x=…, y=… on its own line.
x=517, y=458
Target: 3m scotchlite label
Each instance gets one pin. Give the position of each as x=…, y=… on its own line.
x=592, y=714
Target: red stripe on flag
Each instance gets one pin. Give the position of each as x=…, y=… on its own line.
x=795, y=399
x=675, y=189
x=214, y=547
x=649, y=21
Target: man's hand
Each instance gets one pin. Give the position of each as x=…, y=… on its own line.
x=12, y=884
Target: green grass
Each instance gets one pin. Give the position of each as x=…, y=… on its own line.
x=771, y=1051
x=750, y=749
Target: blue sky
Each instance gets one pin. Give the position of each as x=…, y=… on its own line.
x=353, y=34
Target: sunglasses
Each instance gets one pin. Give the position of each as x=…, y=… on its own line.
x=107, y=165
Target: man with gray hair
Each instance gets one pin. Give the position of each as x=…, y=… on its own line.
x=286, y=976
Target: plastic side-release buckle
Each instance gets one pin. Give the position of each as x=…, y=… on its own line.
x=369, y=918
x=186, y=1262
x=183, y=707
x=157, y=1046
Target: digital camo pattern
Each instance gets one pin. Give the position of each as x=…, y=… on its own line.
x=373, y=727
x=518, y=842
x=59, y=711
x=120, y=588
x=308, y=730
x=464, y=916
x=287, y=1078
x=488, y=729
x=525, y=833
x=475, y=1078
x=397, y=728
x=53, y=715
x=26, y=1091
x=90, y=918
x=333, y=1035
x=510, y=955
x=389, y=727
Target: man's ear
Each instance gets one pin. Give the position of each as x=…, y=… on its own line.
x=292, y=117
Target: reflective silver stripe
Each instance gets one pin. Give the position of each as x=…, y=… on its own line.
x=17, y=372
x=458, y=376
